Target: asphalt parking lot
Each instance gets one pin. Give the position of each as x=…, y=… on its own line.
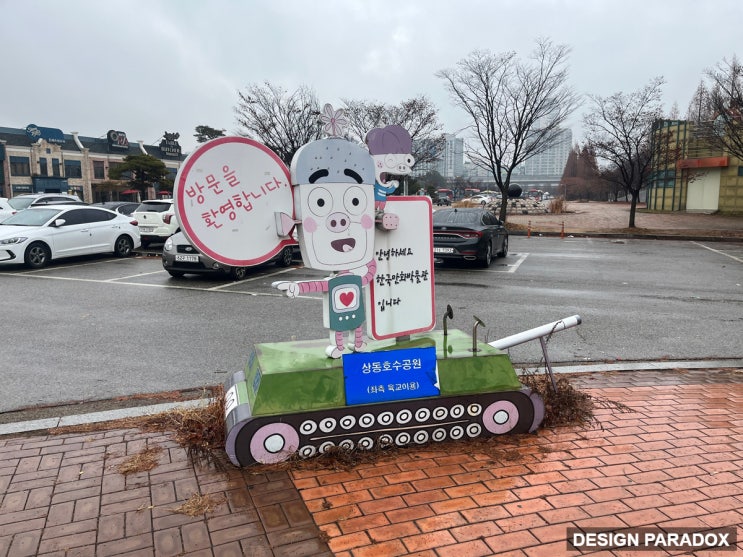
x=97, y=328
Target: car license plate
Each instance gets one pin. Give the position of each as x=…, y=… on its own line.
x=443, y=250
x=146, y=228
x=187, y=258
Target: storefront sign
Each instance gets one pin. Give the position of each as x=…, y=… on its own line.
x=170, y=146
x=117, y=141
x=50, y=135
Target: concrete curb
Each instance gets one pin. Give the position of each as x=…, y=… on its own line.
x=148, y=410
x=633, y=236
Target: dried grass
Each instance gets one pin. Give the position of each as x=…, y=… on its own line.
x=557, y=206
x=201, y=430
x=144, y=461
x=567, y=406
x=199, y=504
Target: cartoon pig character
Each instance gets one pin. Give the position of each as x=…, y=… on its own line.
x=333, y=182
x=391, y=148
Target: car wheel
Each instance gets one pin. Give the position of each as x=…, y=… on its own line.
x=176, y=274
x=37, y=255
x=123, y=246
x=286, y=257
x=239, y=273
x=504, y=250
x=486, y=260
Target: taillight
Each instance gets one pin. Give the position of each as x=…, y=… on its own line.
x=471, y=234
x=166, y=218
x=133, y=223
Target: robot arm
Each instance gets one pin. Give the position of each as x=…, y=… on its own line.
x=294, y=289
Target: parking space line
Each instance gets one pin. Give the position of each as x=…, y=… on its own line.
x=282, y=271
x=133, y=276
x=738, y=259
x=170, y=286
x=521, y=258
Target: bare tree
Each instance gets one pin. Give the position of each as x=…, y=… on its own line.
x=517, y=108
x=419, y=116
x=700, y=109
x=282, y=121
x=724, y=129
x=619, y=130
x=581, y=175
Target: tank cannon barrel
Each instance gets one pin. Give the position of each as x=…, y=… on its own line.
x=537, y=332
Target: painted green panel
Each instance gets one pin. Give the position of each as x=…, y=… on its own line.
x=289, y=377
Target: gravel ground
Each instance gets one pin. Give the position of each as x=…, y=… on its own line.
x=614, y=217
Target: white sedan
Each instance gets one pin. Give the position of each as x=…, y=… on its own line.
x=37, y=235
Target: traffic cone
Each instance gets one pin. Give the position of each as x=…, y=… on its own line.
x=528, y=230
x=562, y=232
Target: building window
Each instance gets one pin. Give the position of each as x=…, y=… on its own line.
x=55, y=168
x=740, y=171
x=20, y=166
x=98, y=170
x=73, y=169
x=124, y=175
x=42, y=167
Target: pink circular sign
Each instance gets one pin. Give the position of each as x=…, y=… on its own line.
x=229, y=196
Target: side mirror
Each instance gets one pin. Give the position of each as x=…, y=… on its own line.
x=59, y=222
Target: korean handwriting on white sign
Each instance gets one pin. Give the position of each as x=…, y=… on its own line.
x=227, y=196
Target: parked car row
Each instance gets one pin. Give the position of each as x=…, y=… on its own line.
x=38, y=228
x=42, y=233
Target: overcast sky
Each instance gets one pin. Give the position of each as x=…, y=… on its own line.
x=149, y=66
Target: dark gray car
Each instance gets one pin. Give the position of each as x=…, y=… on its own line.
x=180, y=258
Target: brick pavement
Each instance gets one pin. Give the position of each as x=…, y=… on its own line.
x=673, y=460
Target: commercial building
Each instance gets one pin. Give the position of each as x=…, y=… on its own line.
x=40, y=159
x=689, y=174
x=450, y=163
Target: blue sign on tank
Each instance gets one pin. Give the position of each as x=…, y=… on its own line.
x=390, y=375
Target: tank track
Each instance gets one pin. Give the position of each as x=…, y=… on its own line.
x=271, y=439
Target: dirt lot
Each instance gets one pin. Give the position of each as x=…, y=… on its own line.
x=594, y=217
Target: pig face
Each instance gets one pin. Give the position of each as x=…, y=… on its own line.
x=334, y=201
x=392, y=163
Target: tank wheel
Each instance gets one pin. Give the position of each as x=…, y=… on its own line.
x=274, y=443
x=500, y=417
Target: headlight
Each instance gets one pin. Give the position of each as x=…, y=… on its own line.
x=16, y=240
x=168, y=244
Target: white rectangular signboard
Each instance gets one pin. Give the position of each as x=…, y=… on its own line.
x=401, y=297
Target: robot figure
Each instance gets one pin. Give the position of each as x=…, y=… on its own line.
x=333, y=181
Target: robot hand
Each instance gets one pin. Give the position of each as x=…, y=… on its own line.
x=390, y=221
x=291, y=288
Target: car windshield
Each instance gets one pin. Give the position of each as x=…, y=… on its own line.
x=456, y=217
x=154, y=207
x=31, y=217
x=20, y=203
